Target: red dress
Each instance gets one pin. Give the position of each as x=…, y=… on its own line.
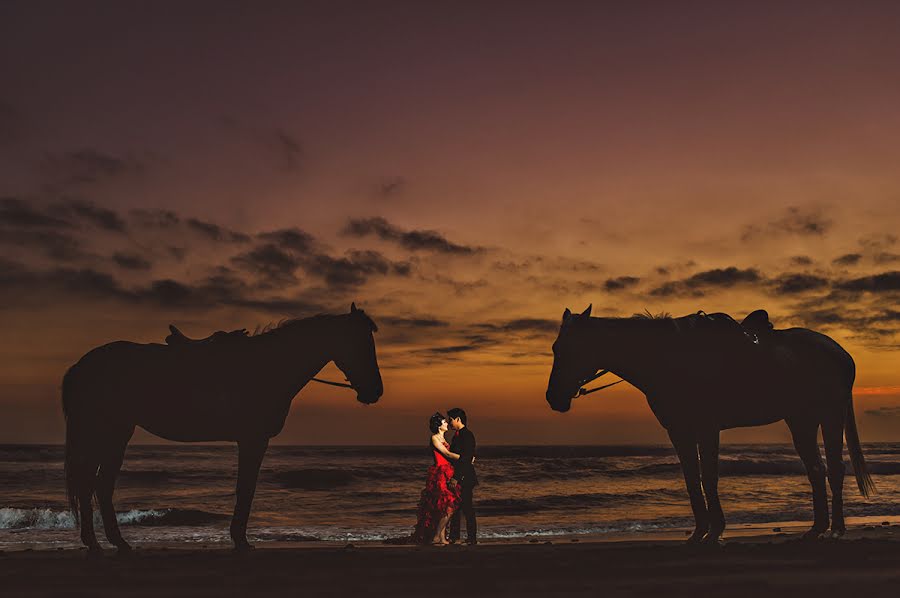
x=438, y=498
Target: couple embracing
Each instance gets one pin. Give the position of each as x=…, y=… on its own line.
x=451, y=481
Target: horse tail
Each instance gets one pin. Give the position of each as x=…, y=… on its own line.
x=75, y=454
x=863, y=479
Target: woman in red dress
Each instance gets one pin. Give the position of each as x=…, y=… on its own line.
x=440, y=498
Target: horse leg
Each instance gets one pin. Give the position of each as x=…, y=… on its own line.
x=110, y=465
x=805, y=435
x=686, y=448
x=250, y=456
x=709, y=469
x=833, y=435
x=86, y=480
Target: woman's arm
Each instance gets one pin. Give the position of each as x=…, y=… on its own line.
x=439, y=445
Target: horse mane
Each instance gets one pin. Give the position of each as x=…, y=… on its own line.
x=646, y=315
x=291, y=323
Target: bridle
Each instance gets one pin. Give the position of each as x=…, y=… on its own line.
x=582, y=391
x=329, y=382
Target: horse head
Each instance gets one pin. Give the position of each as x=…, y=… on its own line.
x=573, y=364
x=355, y=356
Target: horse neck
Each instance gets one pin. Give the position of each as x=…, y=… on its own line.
x=296, y=353
x=636, y=350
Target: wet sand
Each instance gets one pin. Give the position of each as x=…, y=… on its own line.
x=865, y=563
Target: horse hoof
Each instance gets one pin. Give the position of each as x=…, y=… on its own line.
x=813, y=535
x=124, y=551
x=95, y=552
x=244, y=547
x=837, y=534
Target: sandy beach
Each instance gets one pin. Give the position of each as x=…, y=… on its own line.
x=865, y=563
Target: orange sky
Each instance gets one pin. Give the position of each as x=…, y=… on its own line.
x=464, y=173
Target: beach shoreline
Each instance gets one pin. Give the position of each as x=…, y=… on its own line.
x=866, y=560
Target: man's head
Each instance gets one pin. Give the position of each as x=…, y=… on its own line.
x=457, y=418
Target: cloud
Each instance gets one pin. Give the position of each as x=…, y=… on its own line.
x=889, y=412
x=131, y=261
x=694, y=285
x=215, y=232
x=801, y=260
x=290, y=238
x=87, y=166
x=849, y=259
x=18, y=213
x=271, y=262
x=349, y=271
x=804, y=222
x=155, y=218
x=289, y=151
x=418, y=323
x=413, y=240
x=102, y=218
x=886, y=257
x=877, y=283
x=619, y=283
x=53, y=244
x=791, y=283
x=391, y=187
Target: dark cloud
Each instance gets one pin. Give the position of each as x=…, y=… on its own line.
x=289, y=151
x=694, y=285
x=801, y=260
x=886, y=257
x=878, y=283
x=848, y=259
x=155, y=218
x=58, y=246
x=290, y=238
x=796, y=221
x=349, y=271
x=889, y=412
x=790, y=283
x=21, y=214
x=619, y=283
x=86, y=211
x=391, y=187
x=271, y=262
x=216, y=233
x=403, y=322
x=413, y=240
x=131, y=261
x=178, y=253
x=88, y=165
x=528, y=325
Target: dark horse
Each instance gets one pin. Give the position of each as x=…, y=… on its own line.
x=231, y=387
x=703, y=374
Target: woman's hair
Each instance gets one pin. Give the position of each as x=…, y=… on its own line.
x=435, y=422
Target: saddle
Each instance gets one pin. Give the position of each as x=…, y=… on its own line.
x=177, y=338
x=755, y=328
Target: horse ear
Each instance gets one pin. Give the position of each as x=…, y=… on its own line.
x=566, y=314
x=353, y=309
x=587, y=312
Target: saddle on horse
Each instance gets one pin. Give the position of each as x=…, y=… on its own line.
x=755, y=327
x=177, y=338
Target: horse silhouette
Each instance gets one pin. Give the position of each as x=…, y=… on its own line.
x=705, y=373
x=231, y=387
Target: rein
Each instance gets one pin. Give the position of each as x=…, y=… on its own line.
x=341, y=384
x=582, y=391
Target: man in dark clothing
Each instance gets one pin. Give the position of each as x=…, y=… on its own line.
x=463, y=475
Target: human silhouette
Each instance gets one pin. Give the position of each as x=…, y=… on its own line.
x=704, y=373
x=439, y=499
x=228, y=387
x=463, y=444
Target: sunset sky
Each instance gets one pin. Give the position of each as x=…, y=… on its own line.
x=464, y=171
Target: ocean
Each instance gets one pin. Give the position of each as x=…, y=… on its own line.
x=175, y=494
